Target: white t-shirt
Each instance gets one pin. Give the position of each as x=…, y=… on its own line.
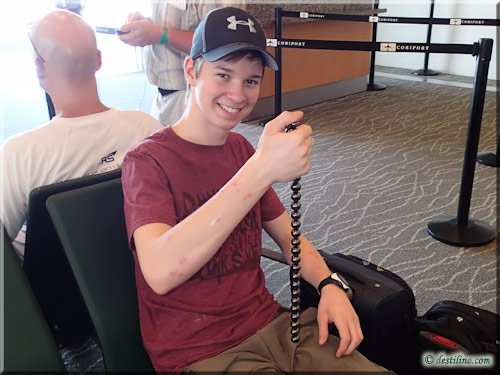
x=63, y=149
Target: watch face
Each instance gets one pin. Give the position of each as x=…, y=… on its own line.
x=341, y=280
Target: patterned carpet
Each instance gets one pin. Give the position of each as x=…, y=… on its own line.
x=384, y=164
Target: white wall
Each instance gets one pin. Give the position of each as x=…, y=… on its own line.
x=445, y=63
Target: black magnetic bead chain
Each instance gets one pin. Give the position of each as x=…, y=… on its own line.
x=295, y=271
x=295, y=267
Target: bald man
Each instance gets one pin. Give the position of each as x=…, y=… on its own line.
x=84, y=138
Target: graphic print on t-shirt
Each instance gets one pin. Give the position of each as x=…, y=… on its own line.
x=239, y=253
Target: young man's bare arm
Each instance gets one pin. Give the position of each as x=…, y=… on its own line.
x=169, y=256
x=334, y=306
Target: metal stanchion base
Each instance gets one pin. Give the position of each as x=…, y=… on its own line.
x=425, y=72
x=375, y=86
x=475, y=233
x=488, y=158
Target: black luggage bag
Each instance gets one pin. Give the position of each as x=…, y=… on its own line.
x=451, y=326
x=384, y=303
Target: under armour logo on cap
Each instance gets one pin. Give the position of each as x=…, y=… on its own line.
x=224, y=31
x=233, y=23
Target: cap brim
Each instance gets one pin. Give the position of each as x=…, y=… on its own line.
x=220, y=52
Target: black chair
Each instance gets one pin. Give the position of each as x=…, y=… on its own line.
x=91, y=226
x=28, y=343
x=48, y=270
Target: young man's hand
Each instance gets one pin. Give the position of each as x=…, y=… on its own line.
x=286, y=155
x=334, y=307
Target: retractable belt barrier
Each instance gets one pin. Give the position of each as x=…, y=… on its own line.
x=466, y=49
x=374, y=20
x=459, y=230
x=379, y=19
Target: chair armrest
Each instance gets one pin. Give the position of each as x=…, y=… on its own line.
x=274, y=255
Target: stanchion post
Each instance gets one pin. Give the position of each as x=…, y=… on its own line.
x=460, y=230
x=425, y=71
x=277, y=56
x=372, y=86
x=475, y=119
x=277, y=74
x=492, y=158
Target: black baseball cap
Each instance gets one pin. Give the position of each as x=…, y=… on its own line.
x=226, y=30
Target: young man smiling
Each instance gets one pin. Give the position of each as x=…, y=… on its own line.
x=197, y=197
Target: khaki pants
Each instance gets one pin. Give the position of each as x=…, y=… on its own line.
x=271, y=350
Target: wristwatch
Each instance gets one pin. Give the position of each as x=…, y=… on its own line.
x=336, y=279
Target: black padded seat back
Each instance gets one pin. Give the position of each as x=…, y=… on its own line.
x=91, y=226
x=47, y=268
x=28, y=342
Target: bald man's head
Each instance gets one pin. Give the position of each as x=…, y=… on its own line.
x=66, y=48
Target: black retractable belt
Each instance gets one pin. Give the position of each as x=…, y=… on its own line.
x=295, y=267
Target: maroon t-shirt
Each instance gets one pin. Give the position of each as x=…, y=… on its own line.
x=166, y=178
